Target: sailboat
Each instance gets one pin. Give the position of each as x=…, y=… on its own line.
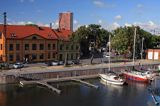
x=111, y=77
x=137, y=75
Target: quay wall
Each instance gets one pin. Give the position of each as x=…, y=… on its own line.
x=6, y=79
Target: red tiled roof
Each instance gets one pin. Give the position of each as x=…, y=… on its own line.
x=23, y=31
x=63, y=34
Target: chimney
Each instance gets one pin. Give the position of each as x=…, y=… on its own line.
x=50, y=25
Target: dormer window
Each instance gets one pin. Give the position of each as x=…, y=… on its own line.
x=49, y=35
x=13, y=35
x=34, y=37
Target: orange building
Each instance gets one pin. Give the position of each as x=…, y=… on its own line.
x=30, y=43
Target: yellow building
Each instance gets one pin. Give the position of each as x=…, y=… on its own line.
x=31, y=43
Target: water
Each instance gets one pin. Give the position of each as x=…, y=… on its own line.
x=74, y=94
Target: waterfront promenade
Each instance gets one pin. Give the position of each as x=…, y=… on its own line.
x=43, y=68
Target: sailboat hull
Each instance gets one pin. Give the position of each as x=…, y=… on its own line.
x=106, y=79
x=134, y=77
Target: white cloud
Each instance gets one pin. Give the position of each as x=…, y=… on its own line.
x=127, y=24
x=101, y=4
x=75, y=22
x=118, y=17
x=99, y=21
x=140, y=6
x=55, y=24
x=149, y=26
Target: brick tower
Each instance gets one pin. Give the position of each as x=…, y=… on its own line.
x=66, y=21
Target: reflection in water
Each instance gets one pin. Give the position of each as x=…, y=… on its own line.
x=76, y=94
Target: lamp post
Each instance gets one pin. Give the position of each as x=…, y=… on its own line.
x=142, y=48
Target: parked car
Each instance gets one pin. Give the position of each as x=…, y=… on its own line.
x=61, y=62
x=18, y=65
x=75, y=61
x=55, y=63
x=4, y=65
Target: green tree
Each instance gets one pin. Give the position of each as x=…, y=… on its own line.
x=93, y=33
x=124, y=38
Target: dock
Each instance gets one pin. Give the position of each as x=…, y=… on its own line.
x=41, y=83
x=46, y=81
x=86, y=83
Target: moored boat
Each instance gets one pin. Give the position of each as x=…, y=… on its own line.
x=112, y=78
x=139, y=76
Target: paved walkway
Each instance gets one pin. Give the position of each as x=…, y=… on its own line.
x=37, y=69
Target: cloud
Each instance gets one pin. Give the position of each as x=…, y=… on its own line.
x=140, y=6
x=99, y=21
x=101, y=4
x=118, y=17
x=127, y=25
x=149, y=26
x=75, y=22
x=21, y=1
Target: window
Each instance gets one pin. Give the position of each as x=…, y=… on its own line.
x=60, y=56
x=34, y=37
x=67, y=47
x=34, y=47
x=17, y=46
x=72, y=56
x=77, y=47
x=53, y=55
x=41, y=47
x=49, y=46
x=1, y=47
x=49, y=55
x=17, y=57
x=26, y=47
x=10, y=57
x=61, y=46
x=71, y=47
x=53, y=46
x=11, y=47
x=34, y=56
x=41, y=56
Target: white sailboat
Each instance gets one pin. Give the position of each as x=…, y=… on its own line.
x=111, y=77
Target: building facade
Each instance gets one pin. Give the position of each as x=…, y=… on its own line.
x=27, y=43
x=32, y=43
x=153, y=54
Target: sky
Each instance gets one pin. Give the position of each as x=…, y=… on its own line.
x=110, y=14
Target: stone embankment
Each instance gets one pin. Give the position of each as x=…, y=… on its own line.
x=60, y=72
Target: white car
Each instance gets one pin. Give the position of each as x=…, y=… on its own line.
x=18, y=65
x=54, y=63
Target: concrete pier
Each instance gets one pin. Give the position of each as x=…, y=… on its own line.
x=86, y=83
x=41, y=83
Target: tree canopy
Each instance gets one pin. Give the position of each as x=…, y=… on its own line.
x=121, y=41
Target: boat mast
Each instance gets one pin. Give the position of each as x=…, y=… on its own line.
x=134, y=45
x=109, y=52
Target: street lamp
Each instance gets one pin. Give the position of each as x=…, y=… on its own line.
x=142, y=48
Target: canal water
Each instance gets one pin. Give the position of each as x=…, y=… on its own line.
x=75, y=94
